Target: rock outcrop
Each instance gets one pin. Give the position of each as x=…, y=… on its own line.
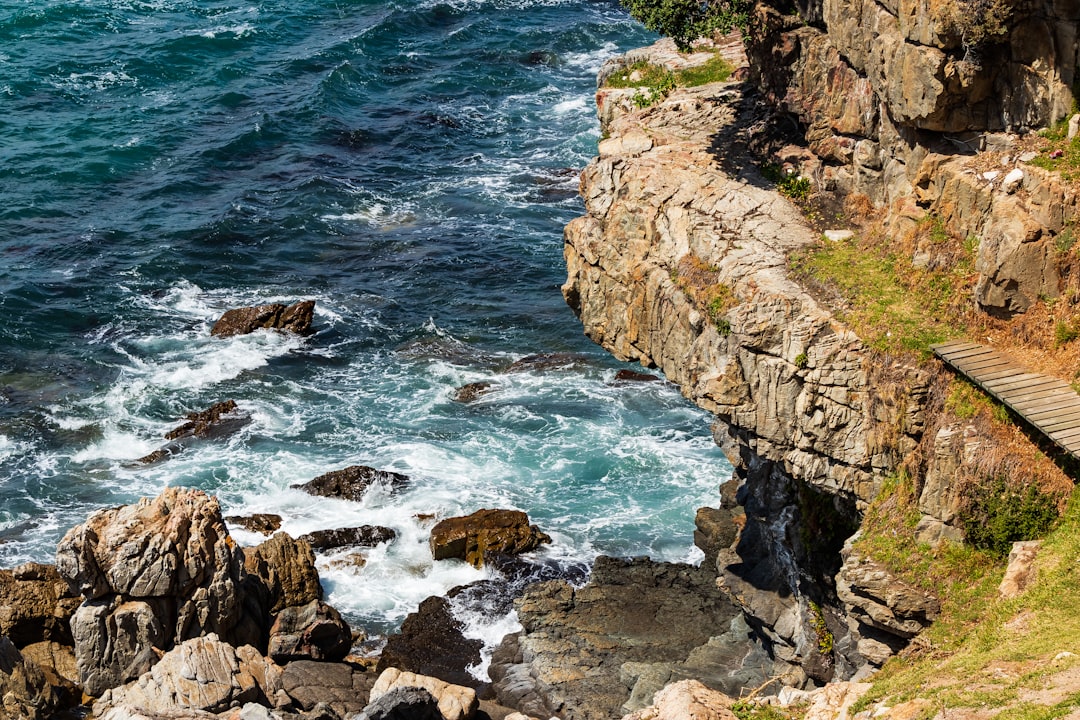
x=362, y=536
x=25, y=692
x=431, y=642
x=352, y=482
x=469, y=537
x=314, y=631
x=152, y=575
x=294, y=318
x=684, y=700
x=36, y=605
x=217, y=421
x=340, y=686
x=453, y=702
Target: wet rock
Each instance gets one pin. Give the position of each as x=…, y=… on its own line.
x=402, y=703
x=285, y=567
x=25, y=693
x=343, y=687
x=452, y=702
x=576, y=640
x=352, y=482
x=473, y=391
x=262, y=523
x=363, y=536
x=202, y=674
x=152, y=574
x=469, y=537
x=547, y=361
x=294, y=318
x=35, y=605
x=431, y=643
x=686, y=699
x=632, y=376
x=314, y=631
x=216, y=422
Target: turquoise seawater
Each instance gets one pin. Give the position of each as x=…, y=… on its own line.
x=410, y=166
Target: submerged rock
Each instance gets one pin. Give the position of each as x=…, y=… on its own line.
x=262, y=523
x=431, y=642
x=547, y=361
x=217, y=421
x=352, y=482
x=363, y=536
x=294, y=318
x=469, y=537
x=474, y=391
x=152, y=574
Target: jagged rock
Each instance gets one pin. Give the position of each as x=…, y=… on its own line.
x=453, y=702
x=546, y=361
x=576, y=641
x=431, y=642
x=218, y=421
x=286, y=569
x=52, y=657
x=1020, y=571
x=364, y=536
x=834, y=700
x=262, y=523
x=627, y=376
x=152, y=574
x=35, y=605
x=275, y=316
x=469, y=537
x=343, y=687
x=352, y=482
x=402, y=703
x=473, y=391
x=25, y=693
x=313, y=631
x=686, y=700
x=715, y=529
x=202, y=673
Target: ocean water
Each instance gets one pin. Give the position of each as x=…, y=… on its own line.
x=407, y=164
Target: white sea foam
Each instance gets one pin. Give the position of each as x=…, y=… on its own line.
x=572, y=105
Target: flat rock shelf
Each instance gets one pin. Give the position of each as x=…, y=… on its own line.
x=1050, y=405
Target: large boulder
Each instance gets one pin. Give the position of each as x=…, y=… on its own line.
x=343, y=687
x=362, y=536
x=285, y=568
x=469, y=537
x=262, y=523
x=686, y=700
x=152, y=574
x=352, y=482
x=314, y=631
x=431, y=642
x=402, y=703
x=294, y=318
x=36, y=605
x=454, y=702
x=202, y=673
x=25, y=693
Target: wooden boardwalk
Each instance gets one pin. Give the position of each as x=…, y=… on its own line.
x=1048, y=404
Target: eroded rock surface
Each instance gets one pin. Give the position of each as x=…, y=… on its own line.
x=342, y=687
x=352, y=482
x=25, y=692
x=294, y=318
x=362, y=536
x=285, y=569
x=453, y=702
x=431, y=642
x=313, y=631
x=469, y=537
x=36, y=605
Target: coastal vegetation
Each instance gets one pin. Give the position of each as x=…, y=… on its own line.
x=653, y=82
x=687, y=20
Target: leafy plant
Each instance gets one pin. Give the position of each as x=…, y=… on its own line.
x=687, y=20
x=817, y=624
x=795, y=186
x=801, y=360
x=998, y=513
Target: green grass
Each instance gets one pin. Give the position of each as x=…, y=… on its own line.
x=654, y=83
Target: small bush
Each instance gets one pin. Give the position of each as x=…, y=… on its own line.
x=1065, y=332
x=801, y=360
x=998, y=513
x=795, y=187
x=687, y=20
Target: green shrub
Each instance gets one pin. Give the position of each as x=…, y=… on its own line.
x=795, y=187
x=801, y=360
x=687, y=20
x=1065, y=332
x=997, y=514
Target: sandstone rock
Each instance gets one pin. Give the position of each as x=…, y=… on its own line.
x=576, y=641
x=839, y=235
x=343, y=687
x=286, y=569
x=1011, y=182
x=25, y=693
x=202, y=673
x=431, y=642
x=152, y=574
x=352, y=482
x=54, y=658
x=686, y=700
x=313, y=631
x=364, y=536
x=35, y=605
x=473, y=391
x=1020, y=571
x=834, y=701
x=1074, y=126
x=275, y=316
x=469, y=537
x=262, y=523
x=715, y=529
x=454, y=702
x=402, y=703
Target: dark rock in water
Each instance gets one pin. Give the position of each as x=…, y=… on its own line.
x=649, y=616
x=541, y=57
x=365, y=536
x=628, y=376
x=352, y=482
x=274, y=316
x=262, y=523
x=36, y=605
x=403, y=703
x=547, y=361
x=520, y=572
x=285, y=567
x=314, y=631
x=472, y=391
x=469, y=537
x=217, y=421
x=343, y=687
x=452, y=350
x=431, y=643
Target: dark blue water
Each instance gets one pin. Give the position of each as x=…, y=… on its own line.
x=410, y=166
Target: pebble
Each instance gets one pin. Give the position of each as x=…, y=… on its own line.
x=1012, y=180
x=838, y=235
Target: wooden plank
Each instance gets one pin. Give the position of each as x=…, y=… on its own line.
x=1054, y=414
x=1041, y=401
x=1006, y=372
x=963, y=356
x=1019, y=383
x=953, y=346
x=1053, y=426
x=1066, y=437
x=984, y=366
